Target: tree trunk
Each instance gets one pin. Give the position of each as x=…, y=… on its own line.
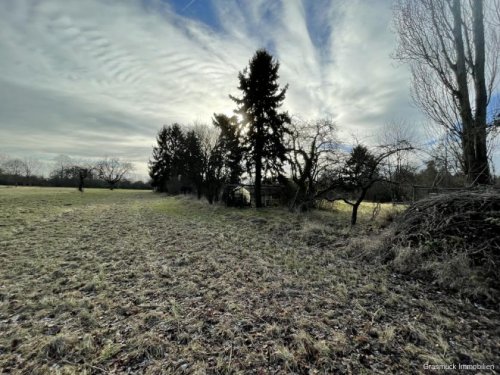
x=258, y=174
x=355, y=206
x=473, y=129
x=462, y=93
x=258, y=182
x=480, y=173
x=299, y=197
x=354, y=215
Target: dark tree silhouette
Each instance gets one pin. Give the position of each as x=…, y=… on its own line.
x=61, y=163
x=453, y=54
x=229, y=146
x=31, y=166
x=113, y=171
x=167, y=156
x=83, y=174
x=216, y=174
x=360, y=172
x=194, y=161
x=312, y=148
x=264, y=125
x=75, y=174
x=224, y=159
x=15, y=167
x=362, y=169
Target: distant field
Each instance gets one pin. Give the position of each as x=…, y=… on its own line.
x=130, y=281
x=366, y=211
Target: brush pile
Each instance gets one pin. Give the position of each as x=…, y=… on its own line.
x=451, y=235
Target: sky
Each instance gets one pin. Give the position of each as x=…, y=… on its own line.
x=93, y=78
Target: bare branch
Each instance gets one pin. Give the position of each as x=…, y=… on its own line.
x=452, y=48
x=113, y=171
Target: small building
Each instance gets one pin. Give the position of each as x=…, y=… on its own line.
x=236, y=195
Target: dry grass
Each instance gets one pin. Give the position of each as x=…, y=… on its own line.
x=369, y=212
x=134, y=282
x=452, y=240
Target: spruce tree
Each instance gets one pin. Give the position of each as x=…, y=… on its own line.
x=194, y=161
x=229, y=146
x=168, y=156
x=265, y=126
x=215, y=172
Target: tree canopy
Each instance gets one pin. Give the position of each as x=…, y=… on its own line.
x=263, y=124
x=168, y=156
x=453, y=54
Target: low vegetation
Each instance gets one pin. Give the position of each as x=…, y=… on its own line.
x=132, y=281
x=452, y=240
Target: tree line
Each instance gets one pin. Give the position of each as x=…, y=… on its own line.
x=250, y=141
x=452, y=49
x=262, y=144
x=67, y=172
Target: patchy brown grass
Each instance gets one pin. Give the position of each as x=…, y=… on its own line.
x=134, y=282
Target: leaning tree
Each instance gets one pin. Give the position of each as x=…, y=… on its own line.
x=264, y=125
x=452, y=48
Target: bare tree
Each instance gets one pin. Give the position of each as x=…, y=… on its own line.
x=3, y=159
x=444, y=151
x=15, y=167
x=493, y=7
x=113, y=170
x=31, y=166
x=360, y=171
x=311, y=147
x=399, y=167
x=61, y=163
x=452, y=49
x=208, y=136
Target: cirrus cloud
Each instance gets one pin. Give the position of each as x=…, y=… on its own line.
x=94, y=78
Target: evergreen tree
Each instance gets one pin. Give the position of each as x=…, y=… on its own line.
x=229, y=149
x=264, y=125
x=215, y=173
x=360, y=168
x=194, y=161
x=168, y=156
x=360, y=172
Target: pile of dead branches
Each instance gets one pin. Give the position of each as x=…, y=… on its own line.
x=440, y=229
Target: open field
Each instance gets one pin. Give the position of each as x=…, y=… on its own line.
x=135, y=282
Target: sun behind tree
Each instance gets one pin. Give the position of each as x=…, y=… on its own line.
x=264, y=126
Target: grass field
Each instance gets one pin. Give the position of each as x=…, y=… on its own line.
x=135, y=282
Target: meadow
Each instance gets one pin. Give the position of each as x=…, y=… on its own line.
x=131, y=281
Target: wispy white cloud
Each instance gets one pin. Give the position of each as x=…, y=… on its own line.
x=93, y=78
